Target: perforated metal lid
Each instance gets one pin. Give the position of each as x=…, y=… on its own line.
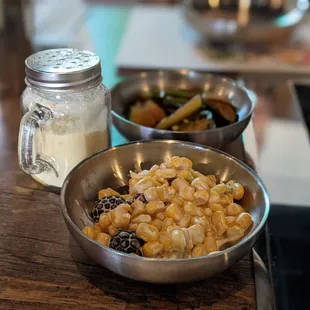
x=62, y=69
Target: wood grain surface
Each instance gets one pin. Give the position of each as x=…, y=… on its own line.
x=41, y=267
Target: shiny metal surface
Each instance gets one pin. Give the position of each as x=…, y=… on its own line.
x=263, y=286
x=223, y=26
x=125, y=92
x=63, y=68
x=110, y=168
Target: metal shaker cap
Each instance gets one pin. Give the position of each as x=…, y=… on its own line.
x=63, y=69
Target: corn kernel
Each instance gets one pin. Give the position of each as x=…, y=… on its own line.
x=157, y=223
x=216, y=207
x=185, y=220
x=168, y=221
x=166, y=173
x=211, y=234
x=185, y=174
x=226, y=200
x=152, y=249
x=153, y=170
x=177, y=200
x=132, y=184
x=174, y=255
x=234, y=209
x=107, y=192
x=198, y=250
x=186, y=163
x=163, y=192
x=104, y=222
x=137, y=208
x=211, y=179
x=171, y=228
x=234, y=233
x=133, y=227
x=201, y=196
x=163, y=165
x=202, y=221
x=142, y=218
x=179, y=184
x=208, y=212
x=220, y=188
x=97, y=228
x=230, y=220
x=219, y=222
x=244, y=220
x=112, y=230
x=135, y=175
x=178, y=240
x=119, y=218
x=154, y=207
x=90, y=232
x=238, y=191
x=160, y=215
x=147, y=232
x=187, y=193
x=124, y=206
x=214, y=197
x=151, y=194
x=200, y=183
x=103, y=239
x=176, y=161
x=173, y=211
x=164, y=238
x=145, y=183
x=171, y=191
x=190, y=208
x=210, y=245
x=197, y=233
x=188, y=239
x=196, y=174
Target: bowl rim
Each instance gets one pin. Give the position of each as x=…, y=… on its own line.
x=184, y=73
x=243, y=241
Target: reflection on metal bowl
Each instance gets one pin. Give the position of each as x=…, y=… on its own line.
x=127, y=91
x=244, y=24
x=109, y=168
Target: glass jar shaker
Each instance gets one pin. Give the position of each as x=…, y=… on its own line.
x=66, y=113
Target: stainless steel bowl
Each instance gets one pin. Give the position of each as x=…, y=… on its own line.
x=125, y=92
x=109, y=168
x=224, y=27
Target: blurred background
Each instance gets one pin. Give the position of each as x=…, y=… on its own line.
x=245, y=36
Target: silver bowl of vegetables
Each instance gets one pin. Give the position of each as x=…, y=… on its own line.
x=146, y=212
x=186, y=105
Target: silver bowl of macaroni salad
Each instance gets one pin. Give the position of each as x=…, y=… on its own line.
x=164, y=211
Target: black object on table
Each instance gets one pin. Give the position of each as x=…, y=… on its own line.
x=288, y=244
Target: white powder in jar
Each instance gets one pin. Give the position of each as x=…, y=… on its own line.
x=65, y=142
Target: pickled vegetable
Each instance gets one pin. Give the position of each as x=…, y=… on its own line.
x=147, y=113
x=180, y=114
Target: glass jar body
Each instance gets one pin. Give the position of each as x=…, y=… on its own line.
x=60, y=129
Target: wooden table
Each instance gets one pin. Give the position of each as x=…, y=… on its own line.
x=41, y=267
